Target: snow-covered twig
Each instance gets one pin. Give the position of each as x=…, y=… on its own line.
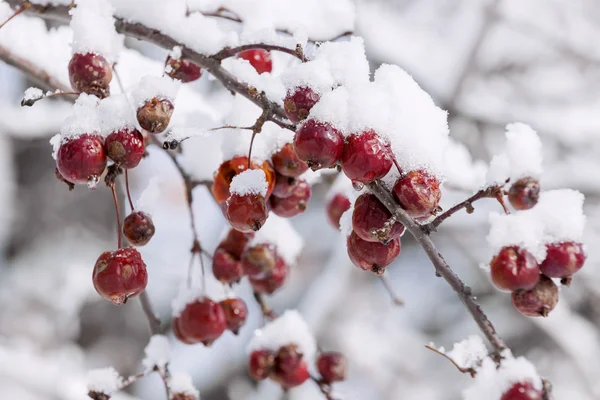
x=227, y=52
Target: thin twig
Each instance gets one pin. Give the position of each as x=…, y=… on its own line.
x=469, y=371
x=153, y=320
x=19, y=11
x=116, y=201
x=388, y=287
x=127, y=190
x=324, y=387
x=228, y=52
x=264, y=307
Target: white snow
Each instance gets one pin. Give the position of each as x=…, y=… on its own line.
x=85, y=117
x=250, y=182
x=245, y=72
x=33, y=93
x=280, y=232
x=314, y=74
x=468, y=353
x=116, y=113
x=181, y=383
x=94, y=31
x=161, y=87
x=346, y=221
x=343, y=185
x=289, y=328
x=187, y=295
x=157, y=352
x=104, y=380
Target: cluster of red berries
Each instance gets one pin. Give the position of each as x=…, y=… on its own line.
x=522, y=391
x=287, y=366
x=204, y=320
x=516, y=270
x=234, y=259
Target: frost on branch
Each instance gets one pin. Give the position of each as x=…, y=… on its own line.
x=157, y=353
x=467, y=354
x=250, y=182
x=181, y=384
x=104, y=380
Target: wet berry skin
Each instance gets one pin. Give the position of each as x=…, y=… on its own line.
x=514, y=268
x=228, y=169
x=563, y=259
x=522, y=391
x=318, y=144
x=178, y=334
x=288, y=358
x=261, y=364
x=155, y=115
x=260, y=59
x=226, y=268
x=418, y=193
x=90, y=73
x=235, y=313
x=183, y=70
x=120, y=275
x=298, y=103
x=291, y=379
x=372, y=256
x=259, y=260
x=285, y=186
x=273, y=280
x=138, y=228
x=524, y=193
x=82, y=159
x=202, y=321
x=247, y=213
x=366, y=157
x=337, y=206
x=125, y=147
x=332, y=367
x=372, y=221
x=294, y=204
x=539, y=301
x=235, y=242
x=287, y=163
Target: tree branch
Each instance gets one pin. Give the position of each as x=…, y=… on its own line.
x=232, y=51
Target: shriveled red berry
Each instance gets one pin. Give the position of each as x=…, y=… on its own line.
x=202, y=321
x=120, y=275
x=155, y=115
x=372, y=256
x=260, y=59
x=178, y=334
x=539, y=301
x=261, y=364
x=126, y=147
x=332, y=367
x=90, y=73
x=82, y=159
x=285, y=186
x=235, y=242
x=318, y=144
x=259, y=260
x=272, y=281
x=183, y=70
x=138, y=228
x=293, y=378
x=294, y=204
x=288, y=358
x=247, y=213
x=229, y=169
x=226, y=268
x=514, y=268
x=287, y=163
x=336, y=206
x=524, y=193
x=563, y=259
x=298, y=103
x=235, y=313
x=372, y=221
x=366, y=157
x=418, y=193
x=522, y=391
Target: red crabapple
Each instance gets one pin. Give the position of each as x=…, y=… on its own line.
x=288, y=358
x=120, y=275
x=293, y=378
x=202, y=321
x=332, y=366
x=318, y=144
x=522, y=391
x=155, y=115
x=538, y=301
x=138, y=228
x=235, y=242
x=247, y=213
x=273, y=280
x=259, y=260
x=514, y=268
x=294, y=204
x=125, y=147
x=298, y=103
x=183, y=70
x=285, y=186
x=226, y=268
x=366, y=157
x=287, y=163
x=228, y=169
x=82, y=159
x=260, y=59
x=337, y=206
x=90, y=73
x=261, y=364
x=235, y=313
x=372, y=221
x=524, y=193
x=178, y=334
x=372, y=256
x=563, y=259
x=418, y=193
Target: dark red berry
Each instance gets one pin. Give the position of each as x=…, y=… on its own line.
x=120, y=275
x=259, y=260
x=183, y=70
x=539, y=301
x=288, y=358
x=372, y=221
x=126, y=147
x=337, y=206
x=226, y=268
x=247, y=213
x=524, y=193
x=229, y=169
x=372, y=256
x=178, y=334
x=184, y=396
x=261, y=364
x=418, y=193
x=235, y=313
x=90, y=73
x=260, y=59
x=82, y=159
x=294, y=204
x=332, y=367
x=155, y=115
x=522, y=391
x=273, y=280
x=202, y=321
x=138, y=228
x=287, y=163
x=235, y=242
x=298, y=103
x=285, y=186
x=366, y=157
x=563, y=259
x=514, y=268
x=293, y=378
x=318, y=144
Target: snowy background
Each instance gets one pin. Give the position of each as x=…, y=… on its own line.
x=488, y=62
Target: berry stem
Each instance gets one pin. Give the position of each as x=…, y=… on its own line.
x=127, y=190
x=116, y=201
x=324, y=387
x=31, y=102
x=267, y=311
x=17, y=12
x=385, y=279
x=469, y=371
x=190, y=277
x=250, y=150
x=153, y=320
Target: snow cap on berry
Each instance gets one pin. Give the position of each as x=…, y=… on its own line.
x=115, y=114
x=189, y=294
x=157, y=353
x=84, y=118
x=104, y=380
x=289, y=328
x=346, y=221
x=347, y=61
x=250, y=182
x=161, y=87
x=280, y=232
x=181, y=383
